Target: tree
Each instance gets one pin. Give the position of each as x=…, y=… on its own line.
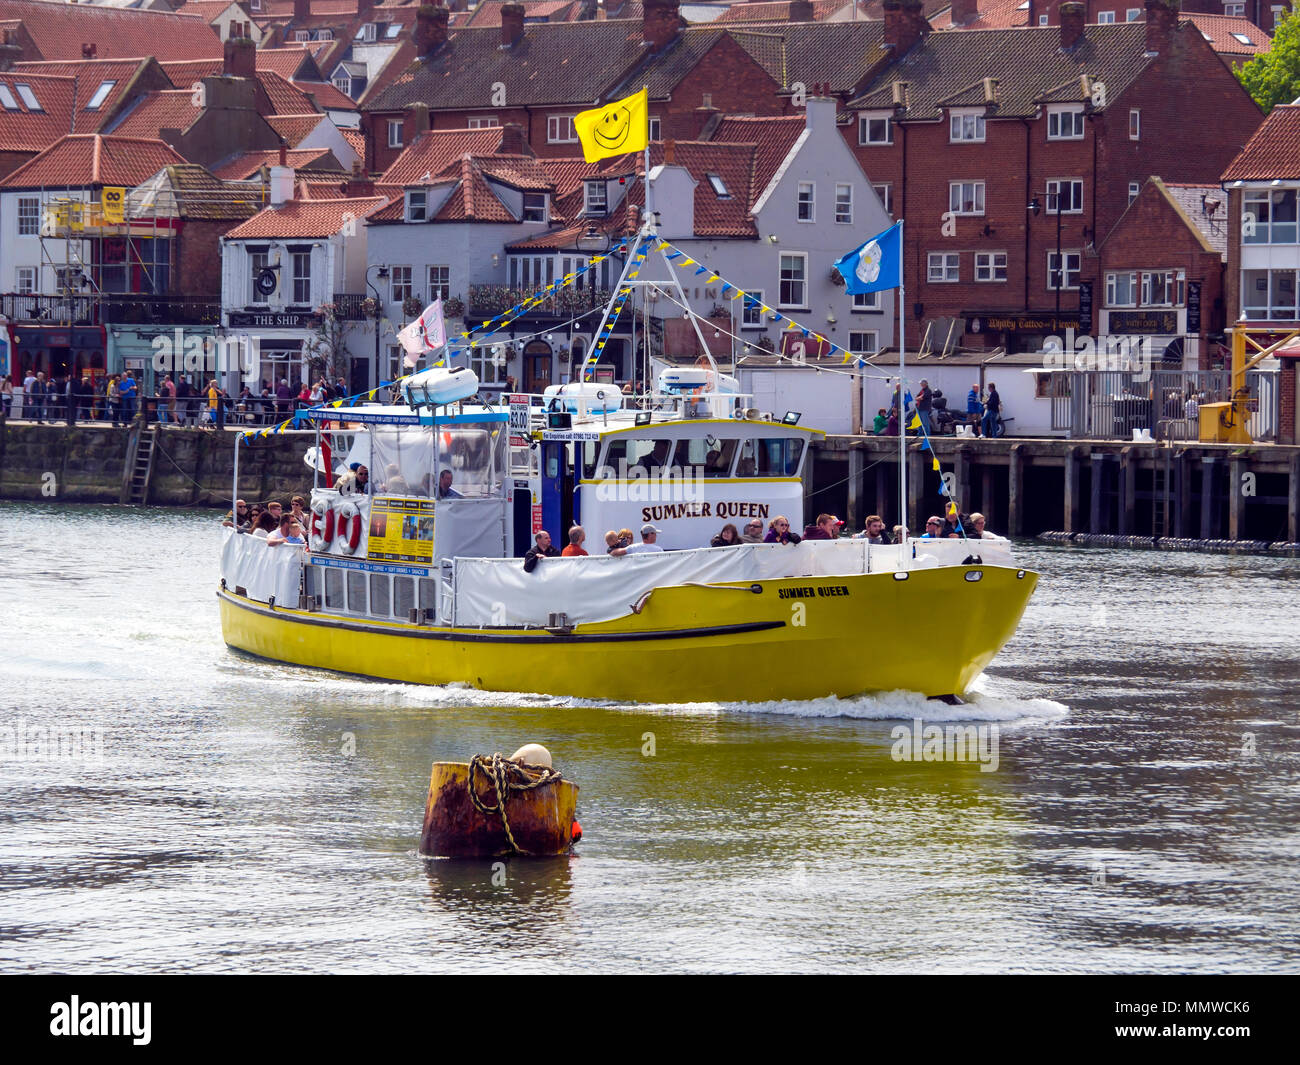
x=1273, y=77
x=327, y=350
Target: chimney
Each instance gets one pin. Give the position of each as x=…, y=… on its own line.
x=358, y=184
x=88, y=51
x=1162, y=24
x=282, y=180
x=301, y=9
x=415, y=121
x=661, y=23
x=512, y=140
x=801, y=11
x=819, y=113
x=1072, y=16
x=964, y=11
x=512, y=24
x=430, y=29
x=905, y=24
x=10, y=51
x=239, y=58
x=284, y=152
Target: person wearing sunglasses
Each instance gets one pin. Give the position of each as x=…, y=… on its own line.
x=933, y=528
x=779, y=532
x=752, y=533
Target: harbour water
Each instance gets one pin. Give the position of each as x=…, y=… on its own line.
x=249, y=817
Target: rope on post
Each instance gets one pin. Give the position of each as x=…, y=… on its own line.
x=506, y=777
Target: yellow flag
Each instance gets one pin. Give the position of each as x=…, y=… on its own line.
x=615, y=129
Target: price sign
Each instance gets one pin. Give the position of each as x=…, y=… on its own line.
x=518, y=421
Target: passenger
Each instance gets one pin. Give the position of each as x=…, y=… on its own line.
x=363, y=478
x=264, y=526
x=827, y=527
x=613, y=545
x=445, y=490
x=298, y=511
x=880, y=421
x=576, y=537
x=649, y=534
x=542, y=548
x=241, y=510
x=745, y=468
x=900, y=533
x=952, y=524
x=933, y=528
x=295, y=536
x=778, y=532
x=281, y=534
x=254, y=512
x=625, y=538
x=891, y=426
x=395, y=483
x=977, y=531
x=656, y=459
x=873, y=530
x=728, y=537
x=753, y=532
x=275, y=509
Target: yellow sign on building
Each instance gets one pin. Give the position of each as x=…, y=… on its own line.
x=113, y=205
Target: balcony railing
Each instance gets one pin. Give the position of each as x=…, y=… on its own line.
x=354, y=306
x=35, y=309
x=107, y=309
x=487, y=301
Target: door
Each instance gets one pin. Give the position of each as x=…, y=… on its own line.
x=537, y=366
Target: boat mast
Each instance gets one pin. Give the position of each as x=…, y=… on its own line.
x=902, y=419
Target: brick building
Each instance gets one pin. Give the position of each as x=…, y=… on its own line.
x=970, y=130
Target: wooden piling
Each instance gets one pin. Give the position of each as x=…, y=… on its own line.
x=1015, y=488
x=1071, y=517
x=1127, y=490
x=855, y=488
x=1097, y=501
x=1293, y=500
x=1209, y=512
x=1236, y=499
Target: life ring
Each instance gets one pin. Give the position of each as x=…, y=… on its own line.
x=322, y=525
x=347, y=530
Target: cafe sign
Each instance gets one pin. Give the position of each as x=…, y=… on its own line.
x=1039, y=324
x=1143, y=322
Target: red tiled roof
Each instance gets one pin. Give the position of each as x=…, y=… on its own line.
x=285, y=97
x=433, y=151
x=246, y=165
x=772, y=137
x=207, y=10
x=294, y=128
x=90, y=159
x=326, y=95
x=473, y=200
x=283, y=9
x=993, y=15
x=777, y=12
x=1274, y=150
x=1219, y=30
x=33, y=131
x=306, y=218
x=59, y=30
x=356, y=140
x=89, y=74
x=185, y=73
x=488, y=12
x=286, y=61
x=156, y=111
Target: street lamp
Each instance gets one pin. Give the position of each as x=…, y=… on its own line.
x=1036, y=206
x=379, y=303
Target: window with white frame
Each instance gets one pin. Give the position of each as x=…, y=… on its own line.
x=1065, y=124
x=875, y=129
x=301, y=264
x=1278, y=11
x=944, y=267
x=883, y=191
x=399, y=284
x=7, y=98
x=1069, y=193
x=394, y=133
x=258, y=260
x=1134, y=124
x=1042, y=20
x=1268, y=216
x=595, y=198
x=439, y=283
x=1163, y=288
x=368, y=32
x=966, y=127
x=1133, y=189
x=751, y=315
x=1242, y=38
x=1073, y=265
x=489, y=362
x=27, y=96
x=807, y=202
x=559, y=129
x=534, y=207
x=343, y=82
x=1105, y=18
x=990, y=266
x=1269, y=294
x=1235, y=10
x=302, y=36
x=29, y=216
x=864, y=341
x=866, y=301
x=656, y=128
x=101, y=94
x=966, y=197
x=794, y=279
x=1132, y=14
x=26, y=280
x=417, y=204
x=844, y=204
x=1121, y=288
x=484, y=122
x=718, y=186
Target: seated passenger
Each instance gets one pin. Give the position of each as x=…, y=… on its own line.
x=880, y=421
x=241, y=510
x=753, y=533
x=655, y=461
x=295, y=535
x=933, y=528
x=613, y=545
x=728, y=537
x=625, y=537
x=873, y=530
x=778, y=532
x=363, y=478
x=445, y=490
x=394, y=483
x=649, y=534
x=266, y=524
x=576, y=537
x=827, y=527
x=746, y=468
x=977, y=530
x=281, y=534
x=542, y=548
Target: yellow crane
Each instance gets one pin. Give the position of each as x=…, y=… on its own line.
x=1226, y=423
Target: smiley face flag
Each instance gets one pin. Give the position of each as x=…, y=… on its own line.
x=615, y=129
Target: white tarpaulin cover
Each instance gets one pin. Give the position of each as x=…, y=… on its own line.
x=247, y=562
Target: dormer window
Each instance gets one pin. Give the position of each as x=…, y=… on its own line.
x=597, y=198
x=302, y=36
x=966, y=127
x=101, y=94
x=719, y=186
x=394, y=28
x=417, y=205
x=1065, y=123
x=368, y=32
x=534, y=207
x=877, y=128
x=27, y=96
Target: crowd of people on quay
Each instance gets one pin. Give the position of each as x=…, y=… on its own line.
x=983, y=414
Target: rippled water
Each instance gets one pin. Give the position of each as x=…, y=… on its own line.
x=1141, y=816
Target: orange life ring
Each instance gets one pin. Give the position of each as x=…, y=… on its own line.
x=322, y=526
x=348, y=527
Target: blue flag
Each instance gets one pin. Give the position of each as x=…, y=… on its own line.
x=875, y=265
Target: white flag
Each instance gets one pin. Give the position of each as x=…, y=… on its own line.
x=426, y=333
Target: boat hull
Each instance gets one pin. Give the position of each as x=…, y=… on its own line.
x=795, y=638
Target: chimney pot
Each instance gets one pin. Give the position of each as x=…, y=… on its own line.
x=430, y=29
x=661, y=23
x=284, y=152
x=512, y=24
x=1072, y=17
x=905, y=24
